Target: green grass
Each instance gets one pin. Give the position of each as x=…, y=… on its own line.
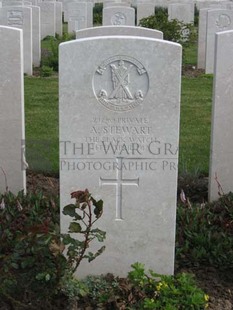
x=41, y=106
x=195, y=122
x=41, y=113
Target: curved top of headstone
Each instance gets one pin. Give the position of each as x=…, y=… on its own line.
x=119, y=30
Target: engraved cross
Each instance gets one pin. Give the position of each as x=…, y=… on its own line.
x=119, y=182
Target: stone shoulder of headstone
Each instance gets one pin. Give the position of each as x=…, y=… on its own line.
x=119, y=30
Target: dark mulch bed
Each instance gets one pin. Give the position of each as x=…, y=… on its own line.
x=217, y=284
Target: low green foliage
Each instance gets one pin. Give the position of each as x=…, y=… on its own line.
x=97, y=13
x=33, y=268
x=29, y=268
x=173, y=30
x=144, y=290
x=205, y=233
x=46, y=71
x=50, y=59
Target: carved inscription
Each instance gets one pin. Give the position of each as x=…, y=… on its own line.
x=119, y=182
x=14, y=18
x=118, y=19
x=121, y=83
x=223, y=22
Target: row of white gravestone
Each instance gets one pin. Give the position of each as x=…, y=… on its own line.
x=211, y=21
x=36, y=22
x=119, y=136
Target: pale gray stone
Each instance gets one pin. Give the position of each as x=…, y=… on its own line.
x=145, y=10
x=36, y=35
x=20, y=17
x=58, y=18
x=12, y=132
x=202, y=38
x=108, y=4
x=221, y=159
x=47, y=19
x=80, y=16
x=184, y=12
x=217, y=20
x=119, y=130
x=119, y=30
x=119, y=16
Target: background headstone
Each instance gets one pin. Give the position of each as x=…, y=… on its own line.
x=221, y=159
x=184, y=12
x=58, y=18
x=12, y=132
x=119, y=130
x=47, y=18
x=119, y=16
x=217, y=20
x=20, y=17
x=119, y=30
x=80, y=16
x=144, y=10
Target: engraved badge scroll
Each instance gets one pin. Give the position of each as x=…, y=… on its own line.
x=121, y=83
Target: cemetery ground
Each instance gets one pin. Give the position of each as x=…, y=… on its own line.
x=204, y=231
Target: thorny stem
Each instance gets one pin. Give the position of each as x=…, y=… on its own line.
x=86, y=242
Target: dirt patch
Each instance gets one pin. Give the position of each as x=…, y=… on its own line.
x=192, y=71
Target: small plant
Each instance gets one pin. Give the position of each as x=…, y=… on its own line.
x=173, y=30
x=97, y=13
x=166, y=292
x=51, y=57
x=204, y=233
x=46, y=71
x=83, y=210
x=144, y=290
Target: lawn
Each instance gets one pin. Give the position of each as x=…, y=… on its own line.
x=41, y=106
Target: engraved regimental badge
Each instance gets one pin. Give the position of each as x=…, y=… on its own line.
x=121, y=83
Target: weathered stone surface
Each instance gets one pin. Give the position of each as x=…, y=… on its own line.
x=119, y=30
x=221, y=159
x=12, y=110
x=20, y=17
x=119, y=130
x=217, y=20
x=118, y=16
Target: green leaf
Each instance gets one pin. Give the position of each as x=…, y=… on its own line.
x=75, y=227
x=70, y=210
x=98, y=208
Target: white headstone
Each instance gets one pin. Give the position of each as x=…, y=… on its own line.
x=184, y=12
x=80, y=16
x=119, y=130
x=145, y=10
x=20, y=17
x=12, y=2
x=221, y=159
x=217, y=20
x=12, y=132
x=119, y=30
x=58, y=13
x=202, y=22
x=47, y=18
x=36, y=35
x=119, y=16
